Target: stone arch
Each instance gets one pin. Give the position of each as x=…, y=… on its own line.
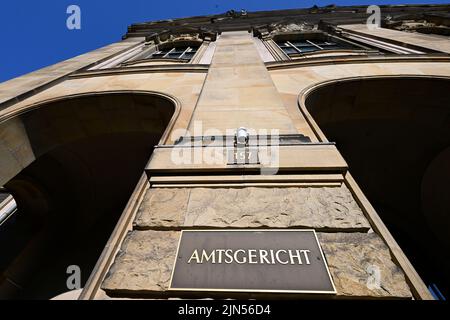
x=71, y=164
x=394, y=132
x=17, y=150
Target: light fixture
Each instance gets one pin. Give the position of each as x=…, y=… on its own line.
x=241, y=138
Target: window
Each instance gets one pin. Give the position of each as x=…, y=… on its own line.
x=179, y=52
x=296, y=47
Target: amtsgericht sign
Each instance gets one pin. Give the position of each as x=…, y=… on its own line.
x=250, y=256
x=251, y=260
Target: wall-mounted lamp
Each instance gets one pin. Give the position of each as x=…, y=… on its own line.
x=241, y=137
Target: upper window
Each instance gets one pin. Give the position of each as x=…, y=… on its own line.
x=296, y=47
x=178, y=52
x=173, y=52
x=319, y=43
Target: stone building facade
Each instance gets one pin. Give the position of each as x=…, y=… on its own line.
x=90, y=151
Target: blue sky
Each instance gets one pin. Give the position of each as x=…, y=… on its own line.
x=34, y=33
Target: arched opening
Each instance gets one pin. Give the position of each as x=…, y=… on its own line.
x=395, y=135
x=89, y=152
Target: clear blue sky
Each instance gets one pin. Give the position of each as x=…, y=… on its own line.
x=34, y=33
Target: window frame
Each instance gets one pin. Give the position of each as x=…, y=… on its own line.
x=319, y=41
x=148, y=52
x=166, y=53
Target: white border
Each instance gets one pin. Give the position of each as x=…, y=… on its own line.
x=253, y=290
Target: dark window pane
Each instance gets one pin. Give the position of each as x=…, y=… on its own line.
x=173, y=55
x=308, y=48
x=163, y=52
x=289, y=50
x=179, y=50
x=300, y=44
x=335, y=47
x=330, y=44
x=157, y=55
x=188, y=55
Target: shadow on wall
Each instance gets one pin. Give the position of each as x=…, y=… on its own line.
x=395, y=135
x=90, y=152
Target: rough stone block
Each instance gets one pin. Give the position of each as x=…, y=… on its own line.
x=323, y=208
x=144, y=262
x=361, y=266
x=162, y=208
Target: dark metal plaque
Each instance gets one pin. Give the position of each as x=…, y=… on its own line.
x=251, y=261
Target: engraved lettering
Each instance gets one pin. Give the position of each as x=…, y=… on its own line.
x=244, y=260
x=296, y=255
x=278, y=257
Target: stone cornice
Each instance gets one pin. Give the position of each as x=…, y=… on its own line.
x=307, y=62
x=227, y=22
x=181, y=67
